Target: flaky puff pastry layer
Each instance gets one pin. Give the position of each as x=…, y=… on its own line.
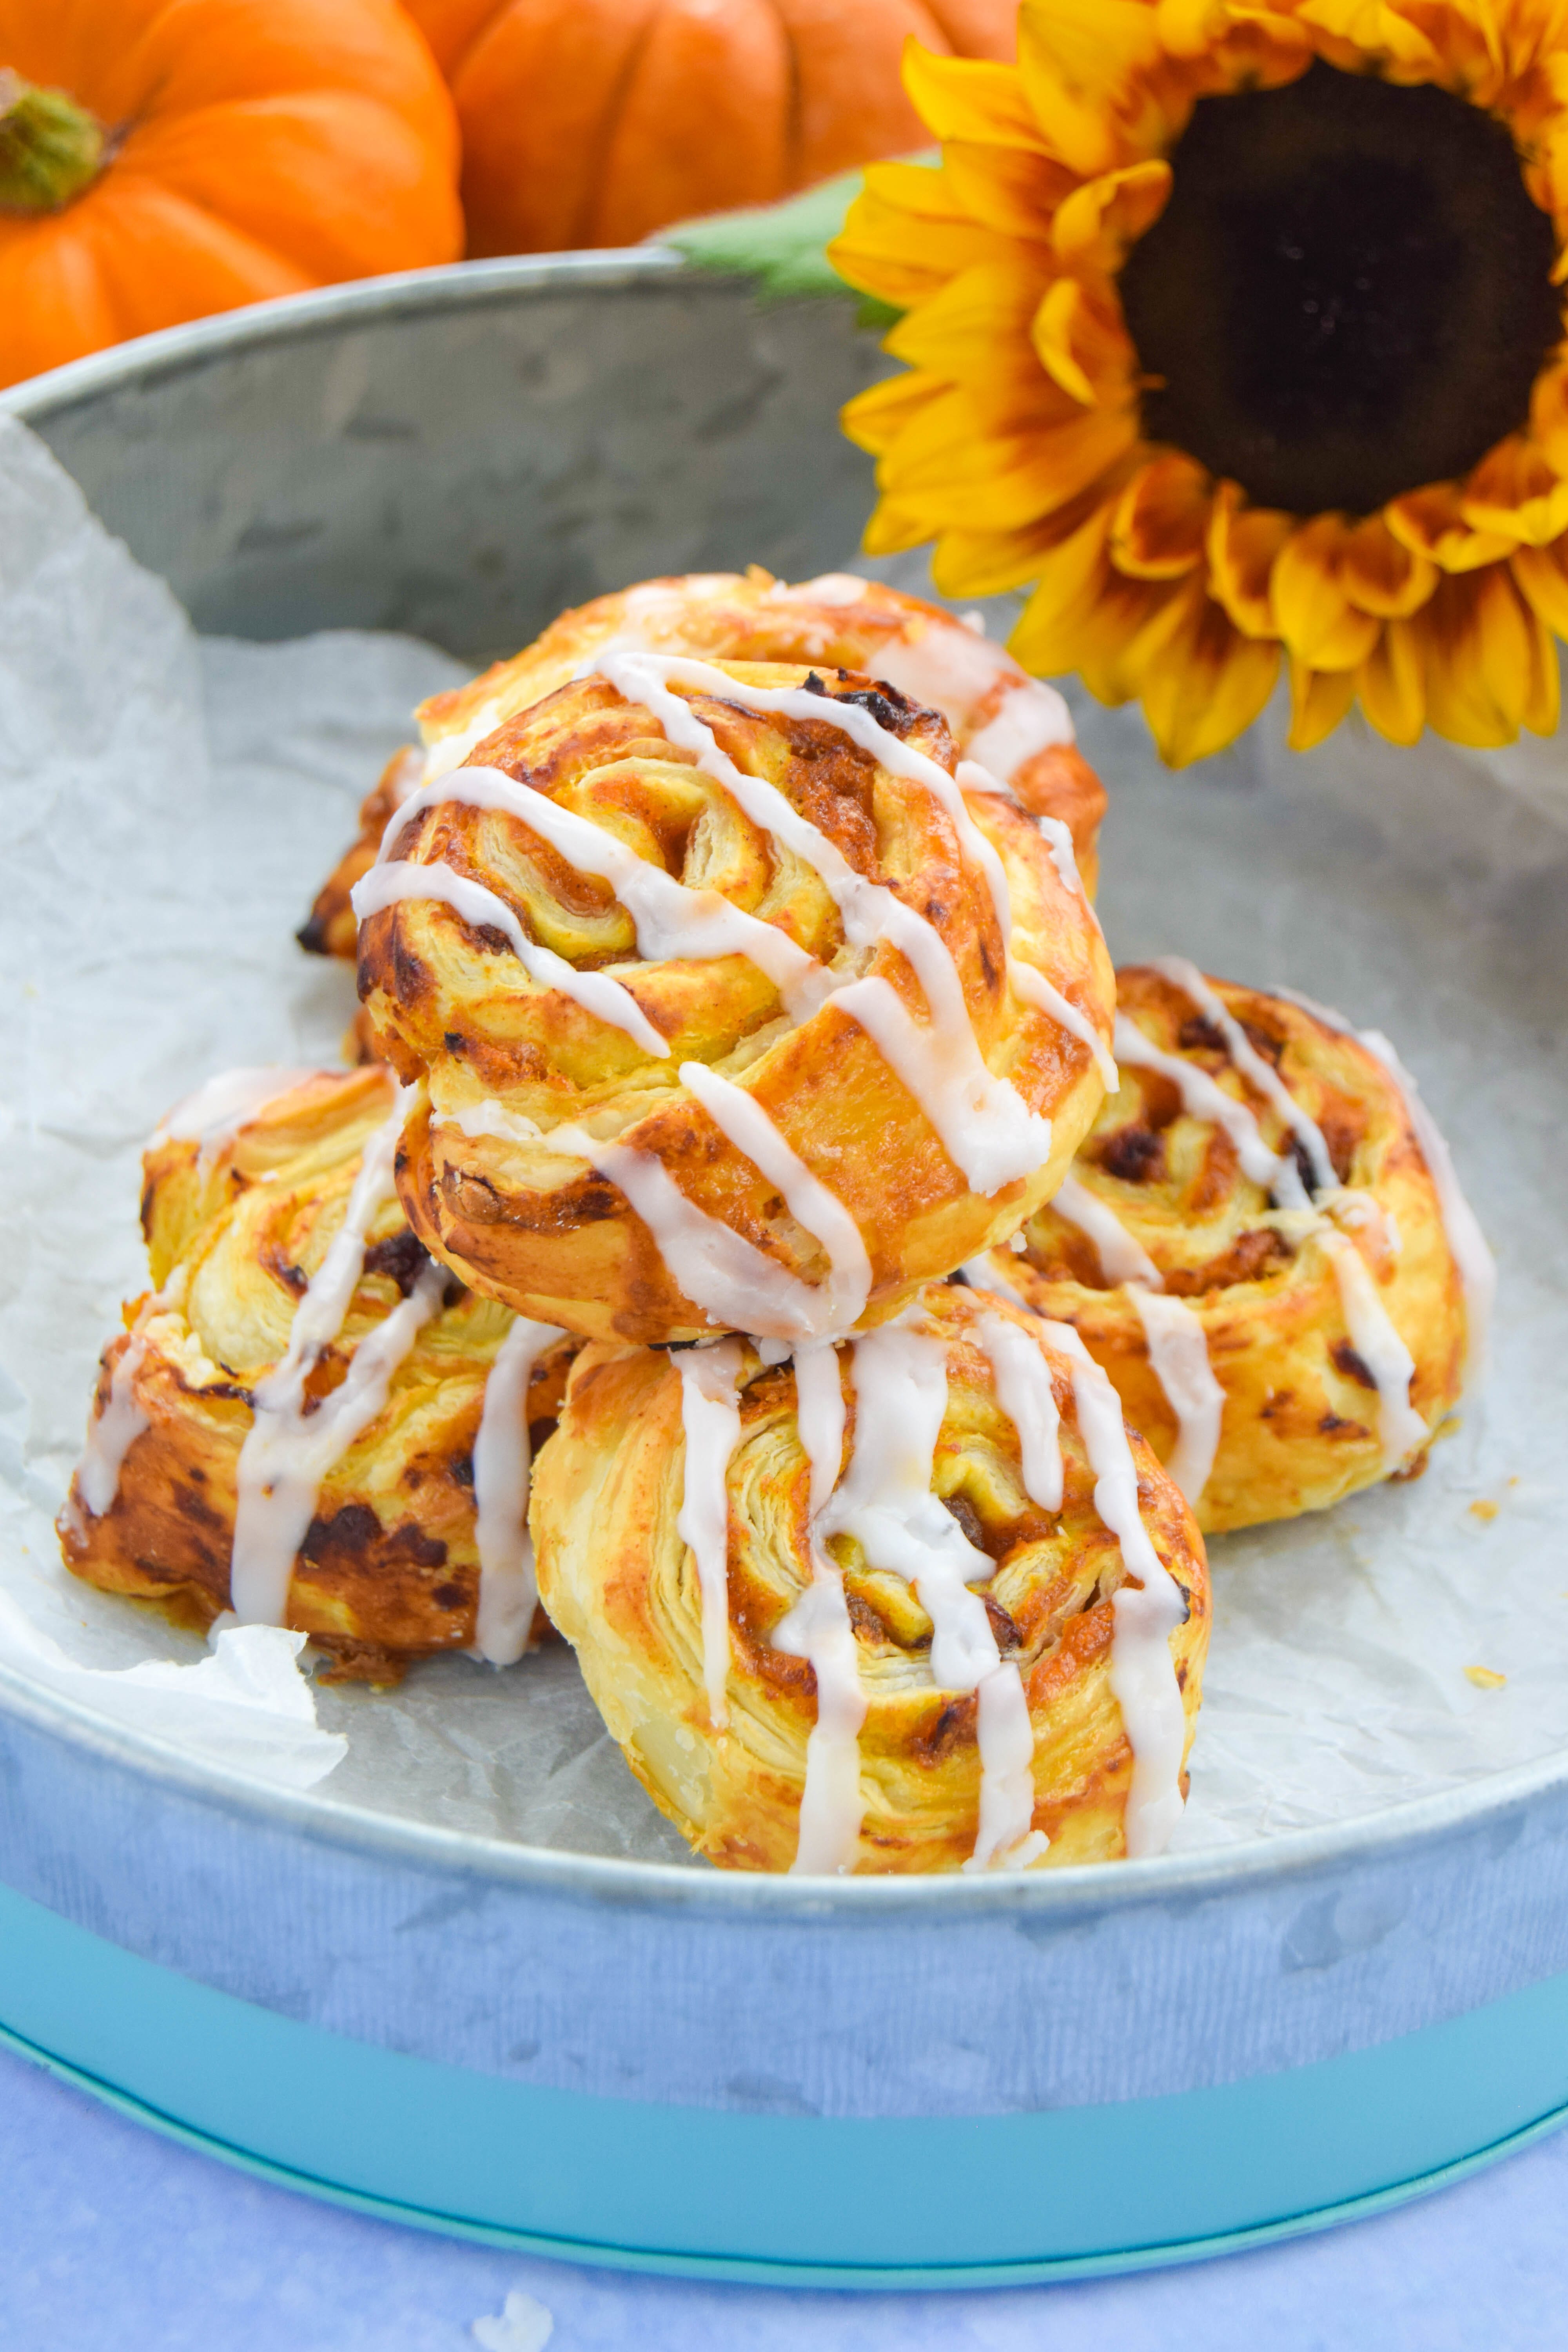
x=727, y=616
x=623, y=1587
x=1302, y=1422
x=503, y=1059
x=389, y=1570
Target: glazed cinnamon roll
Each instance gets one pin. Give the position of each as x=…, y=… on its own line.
x=916, y=1602
x=728, y=1005
x=308, y=1421
x=1013, y=725
x=1263, y=1243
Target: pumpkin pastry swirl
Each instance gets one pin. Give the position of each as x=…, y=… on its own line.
x=307, y=1420
x=859, y=1611
x=1263, y=1243
x=727, y=1004
x=1012, y=724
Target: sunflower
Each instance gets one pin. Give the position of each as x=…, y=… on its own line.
x=1234, y=331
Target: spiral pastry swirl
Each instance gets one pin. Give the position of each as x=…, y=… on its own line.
x=1261, y=1243
x=246, y=1221
x=728, y=1007
x=859, y=1611
x=1012, y=724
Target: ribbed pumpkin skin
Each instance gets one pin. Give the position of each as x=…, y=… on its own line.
x=597, y=121
x=256, y=148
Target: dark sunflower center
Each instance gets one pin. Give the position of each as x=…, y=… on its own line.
x=1348, y=295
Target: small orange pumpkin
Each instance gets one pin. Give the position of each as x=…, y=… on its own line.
x=161, y=159
x=596, y=121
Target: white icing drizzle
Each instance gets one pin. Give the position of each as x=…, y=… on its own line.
x=1143, y=1673
x=113, y=1431
x=595, y=991
x=509, y=1591
x=1257, y=1071
x=1203, y=1098
x=287, y=1451
x=670, y=920
x=1032, y=985
x=1380, y=1347
x=1178, y=1349
x=980, y=1273
x=1179, y=1359
x=987, y=1130
x=213, y=1115
x=741, y=1118
x=448, y=751
x=886, y=1503
x=818, y=1630
x=1466, y=1242
x=1385, y=1353
x=710, y=1419
x=1028, y=1396
x=1033, y=718
x=954, y=669
x=720, y=1270
x=1122, y=1258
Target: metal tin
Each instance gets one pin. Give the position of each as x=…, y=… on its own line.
x=879, y=2080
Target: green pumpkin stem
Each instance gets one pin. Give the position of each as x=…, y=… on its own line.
x=50, y=148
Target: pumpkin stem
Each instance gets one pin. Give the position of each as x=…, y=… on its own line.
x=50, y=148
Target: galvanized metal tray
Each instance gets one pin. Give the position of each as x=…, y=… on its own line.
x=383, y=1999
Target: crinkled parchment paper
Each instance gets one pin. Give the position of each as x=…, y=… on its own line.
x=169, y=809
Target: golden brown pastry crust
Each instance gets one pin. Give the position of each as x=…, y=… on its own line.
x=1301, y=1422
x=721, y=616
x=450, y=1006
x=622, y=1586
x=389, y=1570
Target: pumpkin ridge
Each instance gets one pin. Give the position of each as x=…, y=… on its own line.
x=609, y=119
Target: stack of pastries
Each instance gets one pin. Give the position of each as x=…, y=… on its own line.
x=757, y=1214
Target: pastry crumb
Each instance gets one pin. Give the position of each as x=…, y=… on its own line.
x=522, y=2325
x=1483, y=1679
x=1484, y=1510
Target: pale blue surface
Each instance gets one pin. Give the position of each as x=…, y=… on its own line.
x=114, y=2241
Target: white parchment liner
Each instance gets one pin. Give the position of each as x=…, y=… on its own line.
x=168, y=809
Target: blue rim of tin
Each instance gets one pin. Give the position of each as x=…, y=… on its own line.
x=735, y=2272
x=1008, y=2200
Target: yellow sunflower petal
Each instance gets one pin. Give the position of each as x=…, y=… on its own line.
x=1429, y=523
x=906, y=234
x=1006, y=188
x=972, y=98
x=1319, y=701
x=980, y=317
x=1542, y=572
x=1160, y=523
x=1199, y=681
x=1549, y=413
x=895, y=526
x=1461, y=668
x=1323, y=628
x=986, y=563
x=1065, y=607
x=1517, y=494
x=1380, y=575
x=1024, y=480
x=1077, y=59
x=1243, y=542
x=1360, y=30
x=1085, y=346
x=875, y=418
x=1098, y=224
x=1392, y=683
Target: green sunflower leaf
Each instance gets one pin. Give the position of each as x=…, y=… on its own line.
x=781, y=245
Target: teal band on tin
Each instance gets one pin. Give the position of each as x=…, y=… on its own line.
x=804, y=2201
